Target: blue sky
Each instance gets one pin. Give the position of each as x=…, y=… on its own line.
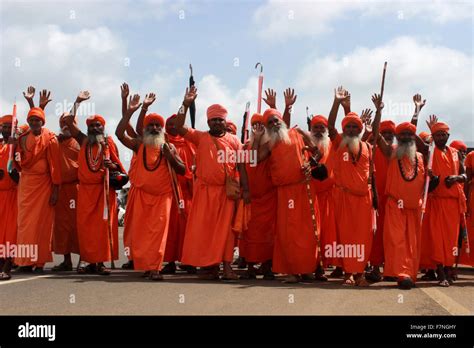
x=313, y=46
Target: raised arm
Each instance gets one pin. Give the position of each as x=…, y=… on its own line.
x=131, y=143
x=72, y=126
x=149, y=99
x=189, y=97
x=29, y=95
x=290, y=99
x=377, y=100
x=82, y=96
x=419, y=103
x=44, y=98
x=270, y=99
x=366, y=118
x=340, y=94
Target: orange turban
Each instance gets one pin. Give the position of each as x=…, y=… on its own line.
x=155, y=118
x=458, y=145
x=23, y=128
x=256, y=118
x=387, y=126
x=271, y=112
x=319, y=119
x=93, y=118
x=232, y=126
x=6, y=119
x=351, y=117
x=171, y=117
x=439, y=127
x=36, y=112
x=405, y=126
x=424, y=135
x=216, y=111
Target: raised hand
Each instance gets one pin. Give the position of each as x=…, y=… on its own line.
x=433, y=119
x=366, y=116
x=133, y=104
x=258, y=130
x=124, y=90
x=82, y=96
x=290, y=97
x=149, y=99
x=341, y=94
x=419, y=103
x=270, y=99
x=29, y=94
x=377, y=100
x=44, y=98
x=190, y=96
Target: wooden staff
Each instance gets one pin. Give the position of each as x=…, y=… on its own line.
x=260, y=86
x=427, y=181
x=13, y=134
x=178, y=195
x=106, y=215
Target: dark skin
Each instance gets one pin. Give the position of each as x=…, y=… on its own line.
x=154, y=128
x=6, y=132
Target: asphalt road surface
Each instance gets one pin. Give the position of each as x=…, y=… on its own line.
x=127, y=293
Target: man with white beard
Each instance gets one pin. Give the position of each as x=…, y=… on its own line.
x=404, y=192
x=295, y=251
x=151, y=200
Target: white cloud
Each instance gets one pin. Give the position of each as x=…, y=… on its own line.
x=281, y=20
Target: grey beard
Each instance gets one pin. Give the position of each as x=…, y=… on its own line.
x=406, y=150
x=352, y=143
x=153, y=140
x=322, y=142
x=95, y=138
x=280, y=135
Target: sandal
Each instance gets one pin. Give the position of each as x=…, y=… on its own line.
x=230, y=277
x=337, y=273
x=62, y=267
x=102, y=270
x=5, y=276
x=269, y=276
x=155, y=275
x=91, y=268
x=349, y=281
x=360, y=281
x=373, y=276
x=444, y=283
x=146, y=274
x=128, y=265
x=248, y=276
x=291, y=279
x=170, y=268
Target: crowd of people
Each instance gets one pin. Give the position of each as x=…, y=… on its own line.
x=376, y=201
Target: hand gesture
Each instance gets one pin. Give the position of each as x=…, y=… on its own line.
x=190, y=96
x=366, y=118
x=377, y=100
x=418, y=102
x=82, y=96
x=290, y=97
x=29, y=94
x=258, y=130
x=149, y=99
x=432, y=121
x=44, y=98
x=124, y=90
x=341, y=94
x=270, y=99
x=133, y=104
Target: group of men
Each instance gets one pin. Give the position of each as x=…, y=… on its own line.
x=356, y=200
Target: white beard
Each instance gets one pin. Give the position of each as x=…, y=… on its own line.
x=154, y=140
x=406, y=150
x=322, y=142
x=279, y=135
x=353, y=143
x=96, y=139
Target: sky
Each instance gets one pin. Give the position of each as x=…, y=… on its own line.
x=311, y=46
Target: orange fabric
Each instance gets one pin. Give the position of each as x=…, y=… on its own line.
x=319, y=119
x=216, y=110
x=150, y=207
x=405, y=126
x=402, y=229
x=153, y=118
x=258, y=240
x=208, y=238
x=271, y=112
x=353, y=204
x=8, y=201
x=464, y=258
x=351, y=117
x=387, y=125
x=446, y=207
x=241, y=218
x=256, y=118
x=6, y=119
x=36, y=112
x=127, y=236
x=439, y=126
x=458, y=145
x=92, y=229
x=295, y=248
x=40, y=169
x=65, y=230
x=94, y=118
x=178, y=221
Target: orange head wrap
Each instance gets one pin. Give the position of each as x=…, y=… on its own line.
x=351, y=117
x=256, y=118
x=458, y=145
x=36, y=112
x=216, y=111
x=95, y=118
x=439, y=127
x=6, y=119
x=232, y=126
x=153, y=118
x=405, y=126
x=271, y=112
x=319, y=119
x=387, y=126
x=424, y=135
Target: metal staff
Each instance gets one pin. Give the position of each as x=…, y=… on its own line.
x=311, y=207
x=260, y=86
x=245, y=132
x=106, y=215
x=192, y=108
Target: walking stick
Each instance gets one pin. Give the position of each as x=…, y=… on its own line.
x=308, y=119
x=106, y=215
x=260, y=86
x=192, y=108
x=178, y=195
x=427, y=181
x=13, y=134
x=245, y=133
x=311, y=207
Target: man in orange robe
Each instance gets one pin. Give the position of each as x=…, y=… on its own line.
x=352, y=193
x=97, y=225
x=295, y=252
x=209, y=239
x=38, y=150
x=465, y=258
x=324, y=193
x=8, y=200
x=259, y=237
x=447, y=203
x=403, y=192
x=150, y=204
x=179, y=210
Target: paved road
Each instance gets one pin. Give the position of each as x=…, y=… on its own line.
x=125, y=292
